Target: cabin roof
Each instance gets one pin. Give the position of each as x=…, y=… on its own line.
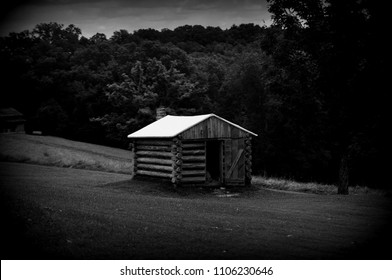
x=10, y=112
x=10, y=115
x=171, y=126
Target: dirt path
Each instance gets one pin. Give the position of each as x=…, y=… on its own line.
x=79, y=214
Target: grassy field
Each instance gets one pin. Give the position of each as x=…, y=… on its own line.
x=54, y=151
x=62, y=213
x=315, y=188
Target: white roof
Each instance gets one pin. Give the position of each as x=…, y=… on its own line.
x=171, y=126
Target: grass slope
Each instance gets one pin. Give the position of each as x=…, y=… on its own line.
x=61, y=213
x=55, y=151
x=315, y=188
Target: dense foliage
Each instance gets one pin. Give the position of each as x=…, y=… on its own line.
x=311, y=85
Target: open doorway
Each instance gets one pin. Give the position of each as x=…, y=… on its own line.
x=213, y=161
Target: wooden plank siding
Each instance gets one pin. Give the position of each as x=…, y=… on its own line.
x=213, y=128
x=234, y=162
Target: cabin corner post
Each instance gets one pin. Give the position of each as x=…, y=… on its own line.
x=133, y=149
x=248, y=160
x=177, y=161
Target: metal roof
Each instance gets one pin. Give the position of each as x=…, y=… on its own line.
x=171, y=126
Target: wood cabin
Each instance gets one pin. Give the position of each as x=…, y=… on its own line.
x=11, y=120
x=194, y=150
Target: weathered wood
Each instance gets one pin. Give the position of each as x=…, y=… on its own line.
x=193, y=166
x=154, y=148
x=134, y=158
x=154, y=160
x=193, y=173
x=176, y=149
x=154, y=142
x=177, y=141
x=213, y=128
x=193, y=152
x=195, y=145
x=235, y=163
x=154, y=173
x=154, y=153
x=177, y=160
x=193, y=158
x=161, y=168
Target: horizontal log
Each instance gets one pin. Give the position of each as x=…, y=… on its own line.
x=161, y=168
x=193, y=152
x=193, y=166
x=193, y=158
x=154, y=173
x=154, y=154
x=200, y=173
x=154, y=142
x=155, y=160
x=193, y=180
x=153, y=148
x=193, y=145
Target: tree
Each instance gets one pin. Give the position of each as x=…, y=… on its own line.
x=140, y=92
x=338, y=35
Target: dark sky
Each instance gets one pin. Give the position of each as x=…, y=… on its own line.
x=104, y=16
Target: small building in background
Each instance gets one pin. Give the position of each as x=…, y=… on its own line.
x=11, y=121
x=194, y=150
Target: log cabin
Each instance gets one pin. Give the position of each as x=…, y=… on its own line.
x=194, y=150
x=11, y=121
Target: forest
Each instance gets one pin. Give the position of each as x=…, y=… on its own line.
x=312, y=85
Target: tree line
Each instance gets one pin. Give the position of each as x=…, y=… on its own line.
x=311, y=85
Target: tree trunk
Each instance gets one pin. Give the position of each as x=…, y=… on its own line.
x=343, y=175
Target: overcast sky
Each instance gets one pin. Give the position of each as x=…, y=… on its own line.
x=104, y=16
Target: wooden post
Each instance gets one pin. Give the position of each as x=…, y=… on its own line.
x=248, y=160
x=177, y=161
x=134, y=148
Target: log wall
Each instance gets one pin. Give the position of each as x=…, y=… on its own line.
x=193, y=162
x=154, y=158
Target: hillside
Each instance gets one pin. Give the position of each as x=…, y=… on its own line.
x=63, y=213
x=55, y=151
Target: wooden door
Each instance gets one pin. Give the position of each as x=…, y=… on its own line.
x=234, y=162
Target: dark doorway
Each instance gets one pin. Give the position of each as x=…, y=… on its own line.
x=213, y=160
